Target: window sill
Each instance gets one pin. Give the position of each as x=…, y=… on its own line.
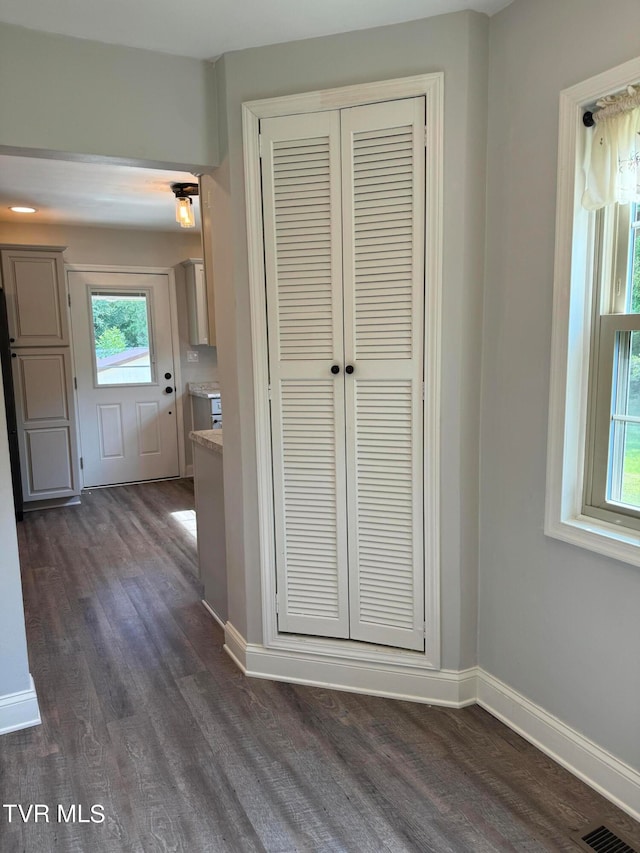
x=610, y=540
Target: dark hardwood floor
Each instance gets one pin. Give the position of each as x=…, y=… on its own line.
x=144, y=714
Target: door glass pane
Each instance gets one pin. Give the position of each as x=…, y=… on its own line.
x=121, y=338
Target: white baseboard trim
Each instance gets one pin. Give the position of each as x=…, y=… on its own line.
x=598, y=768
x=51, y=503
x=414, y=684
x=19, y=710
x=602, y=771
x=235, y=646
x=213, y=613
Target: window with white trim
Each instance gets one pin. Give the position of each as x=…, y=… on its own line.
x=593, y=460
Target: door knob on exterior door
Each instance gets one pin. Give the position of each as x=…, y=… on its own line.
x=168, y=390
x=349, y=369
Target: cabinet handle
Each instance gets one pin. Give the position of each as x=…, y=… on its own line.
x=335, y=369
x=12, y=340
x=349, y=369
x=14, y=355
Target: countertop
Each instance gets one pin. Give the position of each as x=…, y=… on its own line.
x=209, y=438
x=204, y=389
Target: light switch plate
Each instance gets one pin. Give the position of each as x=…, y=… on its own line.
x=192, y=355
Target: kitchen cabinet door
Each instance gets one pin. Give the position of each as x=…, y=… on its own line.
x=46, y=423
x=216, y=244
x=197, y=302
x=33, y=281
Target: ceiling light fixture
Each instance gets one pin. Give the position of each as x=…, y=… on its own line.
x=184, y=205
x=18, y=209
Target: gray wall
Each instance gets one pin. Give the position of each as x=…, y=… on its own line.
x=139, y=248
x=72, y=96
x=457, y=45
x=14, y=665
x=557, y=623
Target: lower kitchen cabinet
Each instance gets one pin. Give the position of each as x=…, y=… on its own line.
x=207, y=473
x=45, y=418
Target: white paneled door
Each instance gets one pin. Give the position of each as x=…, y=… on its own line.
x=343, y=202
x=123, y=354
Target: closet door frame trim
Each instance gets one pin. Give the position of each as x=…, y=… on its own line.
x=431, y=87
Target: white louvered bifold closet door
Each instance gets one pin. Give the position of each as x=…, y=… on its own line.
x=303, y=259
x=383, y=182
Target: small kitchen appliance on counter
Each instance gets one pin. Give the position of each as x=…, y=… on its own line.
x=206, y=405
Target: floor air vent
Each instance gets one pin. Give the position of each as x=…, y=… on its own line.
x=600, y=838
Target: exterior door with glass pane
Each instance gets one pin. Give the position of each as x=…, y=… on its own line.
x=123, y=354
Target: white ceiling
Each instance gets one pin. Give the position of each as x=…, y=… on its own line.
x=89, y=193
x=208, y=28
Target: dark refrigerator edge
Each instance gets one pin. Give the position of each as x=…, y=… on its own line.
x=10, y=406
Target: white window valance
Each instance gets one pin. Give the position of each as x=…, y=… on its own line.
x=612, y=152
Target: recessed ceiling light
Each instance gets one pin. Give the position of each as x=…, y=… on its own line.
x=23, y=209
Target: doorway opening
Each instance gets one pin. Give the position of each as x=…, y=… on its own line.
x=116, y=220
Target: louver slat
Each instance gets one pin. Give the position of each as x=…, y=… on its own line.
x=301, y=204
x=383, y=225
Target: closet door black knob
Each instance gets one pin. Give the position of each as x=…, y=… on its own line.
x=335, y=369
x=349, y=369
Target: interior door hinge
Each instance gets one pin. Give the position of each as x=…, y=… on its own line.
x=69, y=299
x=426, y=135
x=277, y=603
x=260, y=145
x=269, y=392
x=81, y=463
x=75, y=382
x=423, y=391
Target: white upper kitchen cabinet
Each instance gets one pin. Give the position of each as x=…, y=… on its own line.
x=33, y=280
x=197, y=303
